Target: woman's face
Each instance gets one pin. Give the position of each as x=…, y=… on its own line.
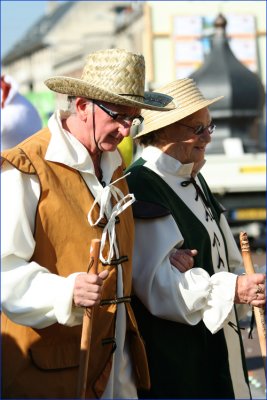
x=180, y=141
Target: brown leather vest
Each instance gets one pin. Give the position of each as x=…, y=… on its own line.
x=43, y=363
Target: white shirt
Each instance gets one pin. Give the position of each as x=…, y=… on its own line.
x=33, y=296
x=194, y=295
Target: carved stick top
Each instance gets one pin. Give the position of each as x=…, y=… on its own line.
x=244, y=243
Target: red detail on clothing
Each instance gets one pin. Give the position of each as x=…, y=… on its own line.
x=5, y=87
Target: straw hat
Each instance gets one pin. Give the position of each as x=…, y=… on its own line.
x=187, y=98
x=113, y=75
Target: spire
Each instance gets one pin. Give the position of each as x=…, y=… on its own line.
x=223, y=74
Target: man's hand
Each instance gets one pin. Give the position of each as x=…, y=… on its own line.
x=88, y=288
x=182, y=259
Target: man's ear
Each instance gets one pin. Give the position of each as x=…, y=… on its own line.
x=81, y=108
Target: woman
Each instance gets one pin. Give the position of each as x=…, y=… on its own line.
x=186, y=315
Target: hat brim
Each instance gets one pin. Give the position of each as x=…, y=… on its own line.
x=154, y=122
x=80, y=88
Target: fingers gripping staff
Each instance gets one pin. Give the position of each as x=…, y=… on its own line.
x=87, y=326
x=258, y=312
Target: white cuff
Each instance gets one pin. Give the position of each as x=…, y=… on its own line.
x=212, y=296
x=220, y=300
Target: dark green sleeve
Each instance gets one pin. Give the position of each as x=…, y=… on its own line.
x=144, y=184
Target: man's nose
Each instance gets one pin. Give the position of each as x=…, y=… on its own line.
x=125, y=128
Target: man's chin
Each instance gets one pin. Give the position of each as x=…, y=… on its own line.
x=108, y=147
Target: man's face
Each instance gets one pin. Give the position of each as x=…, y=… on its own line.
x=112, y=123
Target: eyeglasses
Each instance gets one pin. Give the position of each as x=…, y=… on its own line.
x=198, y=130
x=135, y=120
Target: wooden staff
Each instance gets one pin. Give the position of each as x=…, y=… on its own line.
x=87, y=326
x=258, y=311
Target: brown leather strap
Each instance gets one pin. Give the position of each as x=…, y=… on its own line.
x=126, y=299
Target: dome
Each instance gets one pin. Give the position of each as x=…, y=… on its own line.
x=222, y=74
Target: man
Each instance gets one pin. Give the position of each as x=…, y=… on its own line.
x=63, y=187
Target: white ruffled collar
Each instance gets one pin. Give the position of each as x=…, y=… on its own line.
x=163, y=163
x=66, y=149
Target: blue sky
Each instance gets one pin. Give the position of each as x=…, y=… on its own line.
x=16, y=18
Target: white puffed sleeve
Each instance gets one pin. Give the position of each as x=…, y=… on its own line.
x=31, y=295
x=212, y=296
x=169, y=294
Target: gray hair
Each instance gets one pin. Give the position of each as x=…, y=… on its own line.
x=72, y=105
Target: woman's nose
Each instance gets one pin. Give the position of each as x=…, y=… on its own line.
x=205, y=136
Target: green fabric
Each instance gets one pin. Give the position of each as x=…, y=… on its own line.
x=185, y=361
x=148, y=186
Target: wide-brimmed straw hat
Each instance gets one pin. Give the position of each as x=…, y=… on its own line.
x=187, y=98
x=115, y=76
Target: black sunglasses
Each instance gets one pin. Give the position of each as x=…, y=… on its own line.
x=135, y=120
x=198, y=130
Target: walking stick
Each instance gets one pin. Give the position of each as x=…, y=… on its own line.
x=87, y=326
x=258, y=312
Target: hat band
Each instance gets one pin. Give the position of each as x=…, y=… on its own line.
x=132, y=95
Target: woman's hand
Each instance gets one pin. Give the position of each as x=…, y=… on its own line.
x=182, y=259
x=88, y=288
x=251, y=289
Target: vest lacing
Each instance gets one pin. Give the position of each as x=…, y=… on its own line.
x=217, y=243
x=208, y=214
x=104, y=199
x=199, y=193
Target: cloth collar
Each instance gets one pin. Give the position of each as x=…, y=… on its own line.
x=163, y=163
x=66, y=149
